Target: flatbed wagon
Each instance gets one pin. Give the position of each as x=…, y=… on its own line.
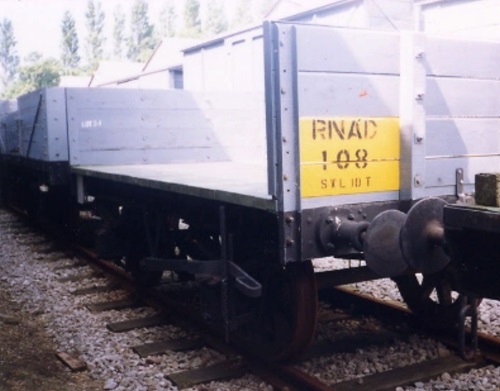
x=358, y=143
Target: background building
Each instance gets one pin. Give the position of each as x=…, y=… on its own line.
x=234, y=61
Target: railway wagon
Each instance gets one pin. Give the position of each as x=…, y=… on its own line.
x=472, y=236
x=8, y=116
x=361, y=140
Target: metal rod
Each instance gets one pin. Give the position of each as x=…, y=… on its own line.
x=225, y=268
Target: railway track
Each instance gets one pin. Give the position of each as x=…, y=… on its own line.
x=85, y=285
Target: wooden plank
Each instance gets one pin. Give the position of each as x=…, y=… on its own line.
x=71, y=266
x=149, y=121
x=106, y=98
x=332, y=95
x=451, y=57
x=348, y=51
x=222, y=371
x=9, y=319
x=148, y=156
x=36, y=242
x=248, y=100
x=81, y=277
x=462, y=97
x=51, y=257
x=230, y=145
x=127, y=325
x=351, y=343
x=406, y=375
x=152, y=137
x=453, y=137
x=328, y=316
x=442, y=172
x=49, y=140
x=95, y=289
x=57, y=249
x=74, y=363
x=114, y=305
x=188, y=126
x=176, y=345
x=57, y=125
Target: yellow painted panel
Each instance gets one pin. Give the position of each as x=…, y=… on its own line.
x=348, y=155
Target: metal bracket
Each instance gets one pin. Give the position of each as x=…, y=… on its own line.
x=245, y=283
x=220, y=268
x=80, y=190
x=468, y=307
x=459, y=177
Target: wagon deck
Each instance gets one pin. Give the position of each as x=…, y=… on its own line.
x=235, y=182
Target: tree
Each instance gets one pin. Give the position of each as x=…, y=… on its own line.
x=192, y=21
x=141, y=41
x=168, y=16
x=118, y=33
x=70, y=57
x=95, y=38
x=243, y=14
x=265, y=7
x=216, y=19
x=9, y=60
x=38, y=73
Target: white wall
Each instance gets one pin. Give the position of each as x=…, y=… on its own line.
x=234, y=63
x=466, y=19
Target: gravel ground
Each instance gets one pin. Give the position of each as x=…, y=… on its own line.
x=29, y=283
x=417, y=349
x=489, y=310
x=41, y=316
x=27, y=359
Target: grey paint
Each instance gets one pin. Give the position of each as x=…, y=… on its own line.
x=9, y=140
x=232, y=182
x=448, y=110
x=116, y=126
x=335, y=75
x=9, y=134
x=45, y=139
x=462, y=106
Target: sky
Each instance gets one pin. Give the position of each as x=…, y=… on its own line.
x=37, y=23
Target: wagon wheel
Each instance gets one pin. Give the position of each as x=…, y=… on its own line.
x=432, y=299
x=288, y=311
